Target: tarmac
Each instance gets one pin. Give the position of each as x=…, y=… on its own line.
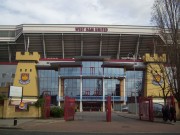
x=93, y=122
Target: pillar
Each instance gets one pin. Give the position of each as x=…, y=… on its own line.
x=81, y=95
x=59, y=92
x=122, y=90
x=103, y=96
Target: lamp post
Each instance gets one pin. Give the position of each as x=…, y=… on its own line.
x=134, y=82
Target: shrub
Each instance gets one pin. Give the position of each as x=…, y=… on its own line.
x=2, y=97
x=39, y=102
x=56, y=111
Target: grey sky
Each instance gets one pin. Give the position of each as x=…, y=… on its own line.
x=120, y=12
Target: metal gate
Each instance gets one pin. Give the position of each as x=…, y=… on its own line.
x=146, y=108
x=69, y=108
x=108, y=109
x=46, y=106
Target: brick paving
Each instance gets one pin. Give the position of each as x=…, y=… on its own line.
x=95, y=122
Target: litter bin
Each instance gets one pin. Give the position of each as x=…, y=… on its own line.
x=15, y=121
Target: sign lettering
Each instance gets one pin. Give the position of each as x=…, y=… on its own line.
x=91, y=29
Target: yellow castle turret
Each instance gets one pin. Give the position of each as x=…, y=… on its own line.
x=155, y=77
x=155, y=58
x=26, y=73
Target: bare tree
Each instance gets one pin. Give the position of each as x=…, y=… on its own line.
x=166, y=15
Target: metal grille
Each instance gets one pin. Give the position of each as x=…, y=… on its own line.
x=69, y=108
x=146, y=108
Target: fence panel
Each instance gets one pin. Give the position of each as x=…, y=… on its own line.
x=69, y=108
x=47, y=103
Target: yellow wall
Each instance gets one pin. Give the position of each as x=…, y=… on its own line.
x=8, y=111
x=28, y=56
x=62, y=87
x=27, y=65
x=155, y=58
x=151, y=88
x=30, y=89
x=1, y=111
x=122, y=88
x=4, y=91
x=153, y=65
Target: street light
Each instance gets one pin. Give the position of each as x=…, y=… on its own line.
x=134, y=81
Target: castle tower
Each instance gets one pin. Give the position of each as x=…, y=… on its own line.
x=155, y=75
x=26, y=73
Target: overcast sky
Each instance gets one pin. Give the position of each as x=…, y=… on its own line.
x=119, y=12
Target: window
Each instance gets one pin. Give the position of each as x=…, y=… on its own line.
x=71, y=87
x=92, y=87
x=112, y=87
x=134, y=81
x=92, y=68
x=114, y=72
x=13, y=76
x=3, y=84
x=48, y=81
x=7, y=33
x=70, y=71
x=3, y=75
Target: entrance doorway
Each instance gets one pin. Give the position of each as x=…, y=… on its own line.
x=92, y=106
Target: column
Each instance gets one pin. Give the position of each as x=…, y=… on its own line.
x=81, y=95
x=124, y=91
x=59, y=92
x=103, y=96
x=44, y=47
x=62, y=46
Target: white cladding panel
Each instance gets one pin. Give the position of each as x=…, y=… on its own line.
x=72, y=29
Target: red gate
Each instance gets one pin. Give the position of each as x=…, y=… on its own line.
x=47, y=102
x=108, y=110
x=146, y=108
x=69, y=108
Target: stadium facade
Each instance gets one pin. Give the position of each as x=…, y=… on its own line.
x=87, y=62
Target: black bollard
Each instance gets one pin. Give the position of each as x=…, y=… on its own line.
x=15, y=121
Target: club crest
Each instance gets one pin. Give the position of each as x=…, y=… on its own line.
x=23, y=106
x=157, y=79
x=24, y=78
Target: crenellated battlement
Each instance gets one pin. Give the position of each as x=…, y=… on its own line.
x=27, y=56
x=155, y=58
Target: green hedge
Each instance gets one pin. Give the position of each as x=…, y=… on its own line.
x=56, y=111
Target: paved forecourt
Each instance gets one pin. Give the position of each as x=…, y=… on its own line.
x=95, y=122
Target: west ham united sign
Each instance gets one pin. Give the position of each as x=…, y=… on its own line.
x=24, y=78
x=91, y=29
